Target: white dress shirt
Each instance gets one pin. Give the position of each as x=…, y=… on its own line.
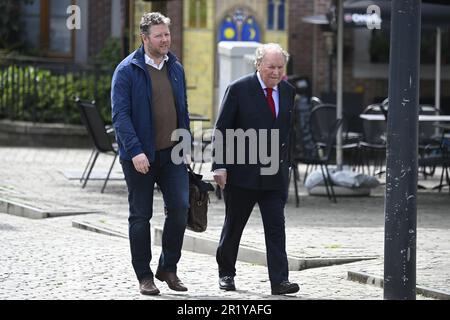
x=152, y=63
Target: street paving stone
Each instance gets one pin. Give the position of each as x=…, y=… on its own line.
x=49, y=259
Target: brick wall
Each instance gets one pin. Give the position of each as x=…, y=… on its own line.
x=301, y=37
x=175, y=13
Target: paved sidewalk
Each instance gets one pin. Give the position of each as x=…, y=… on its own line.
x=318, y=233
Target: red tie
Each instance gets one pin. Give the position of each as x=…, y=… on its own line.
x=271, y=102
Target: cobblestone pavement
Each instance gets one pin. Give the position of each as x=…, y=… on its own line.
x=49, y=259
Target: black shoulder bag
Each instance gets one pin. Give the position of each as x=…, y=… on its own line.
x=198, y=202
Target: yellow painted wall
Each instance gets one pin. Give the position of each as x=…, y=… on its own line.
x=198, y=61
x=277, y=37
x=199, y=50
x=138, y=9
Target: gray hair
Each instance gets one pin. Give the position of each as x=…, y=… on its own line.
x=264, y=48
x=152, y=19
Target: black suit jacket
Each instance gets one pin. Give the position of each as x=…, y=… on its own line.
x=244, y=106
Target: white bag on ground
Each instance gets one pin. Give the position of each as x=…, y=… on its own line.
x=342, y=178
x=314, y=179
x=351, y=179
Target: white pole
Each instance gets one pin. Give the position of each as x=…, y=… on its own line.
x=339, y=90
x=437, y=87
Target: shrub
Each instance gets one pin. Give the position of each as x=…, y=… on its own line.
x=40, y=95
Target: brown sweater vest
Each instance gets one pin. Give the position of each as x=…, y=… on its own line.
x=163, y=107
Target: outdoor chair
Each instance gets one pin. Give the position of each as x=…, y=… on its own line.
x=315, y=101
x=429, y=138
x=322, y=118
x=100, y=137
x=321, y=156
x=440, y=157
x=373, y=144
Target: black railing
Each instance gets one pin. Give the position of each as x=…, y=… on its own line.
x=44, y=91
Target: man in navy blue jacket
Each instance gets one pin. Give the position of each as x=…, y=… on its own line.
x=261, y=103
x=149, y=102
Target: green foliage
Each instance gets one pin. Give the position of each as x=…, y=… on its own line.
x=31, y=94
x=111, y=53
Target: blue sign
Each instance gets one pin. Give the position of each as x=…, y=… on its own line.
x=228, y=30
x=250, y=30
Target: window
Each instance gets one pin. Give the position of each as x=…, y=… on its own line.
x=276, y=16
x=46, y=31
x=281, y=14
x=197, y=14
x=270, y=14
x=380, y=42
x=32, y=23
x=371, y=53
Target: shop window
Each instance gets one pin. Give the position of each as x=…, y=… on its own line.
x=197, y=13
x=276, y=15
x=371, y=54
x=380, y=42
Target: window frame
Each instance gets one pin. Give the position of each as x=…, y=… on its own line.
x=44, y=33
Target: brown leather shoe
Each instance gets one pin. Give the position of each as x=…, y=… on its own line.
x=147, y=287
x=171, y=279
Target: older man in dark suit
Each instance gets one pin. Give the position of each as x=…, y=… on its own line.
x=255, y=117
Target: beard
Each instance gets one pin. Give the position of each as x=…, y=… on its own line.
x=157, y=51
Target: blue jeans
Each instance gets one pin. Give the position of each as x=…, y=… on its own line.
x=174, y=184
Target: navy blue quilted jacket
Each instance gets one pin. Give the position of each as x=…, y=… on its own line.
x=131, y=103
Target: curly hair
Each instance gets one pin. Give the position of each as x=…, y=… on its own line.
x=152, y=19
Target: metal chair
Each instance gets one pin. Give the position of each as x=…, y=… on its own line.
x=322, y=118
x=318, y=157
x=429, y=138
x=100, y=137
x=373, y=144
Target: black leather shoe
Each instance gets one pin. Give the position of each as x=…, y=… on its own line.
x=227, y=283
x=171, y=279
x=285, y=287
x=147, y=287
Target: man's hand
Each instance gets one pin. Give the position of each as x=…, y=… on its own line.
x=141, y=163
x=220, y=177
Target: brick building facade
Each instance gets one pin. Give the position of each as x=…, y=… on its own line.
x=197, y=46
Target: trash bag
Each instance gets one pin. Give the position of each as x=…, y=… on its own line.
x=342, y=178
x=351, y=179
x=314, y=179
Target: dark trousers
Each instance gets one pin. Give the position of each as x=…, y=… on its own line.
x=173, y=181
x=239, y=203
